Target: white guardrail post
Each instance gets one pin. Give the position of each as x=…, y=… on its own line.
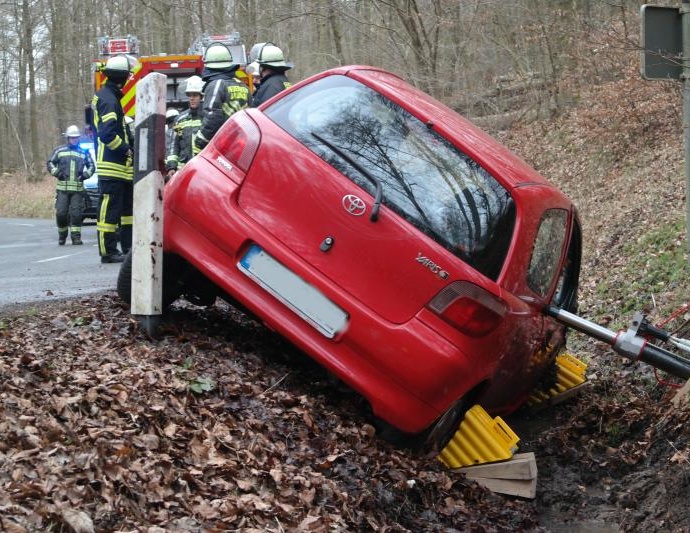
x=147, y=231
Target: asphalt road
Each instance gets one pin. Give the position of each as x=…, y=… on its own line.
x=33, y=268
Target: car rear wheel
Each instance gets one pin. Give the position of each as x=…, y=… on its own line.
x=439, y=434
x=124, y=280
x=431, y=440
x=172, y=288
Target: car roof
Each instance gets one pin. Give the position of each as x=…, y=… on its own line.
x=503, y=164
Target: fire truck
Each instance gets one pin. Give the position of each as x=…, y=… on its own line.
x=177, y=67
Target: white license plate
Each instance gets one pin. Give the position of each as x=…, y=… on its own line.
x=304, y=299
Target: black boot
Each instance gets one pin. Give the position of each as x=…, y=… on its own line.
x=112, y=258
x=76, y=238
x=62, y=238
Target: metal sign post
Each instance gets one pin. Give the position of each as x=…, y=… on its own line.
x=685, y=14
x=147, y=241
x=665, y=40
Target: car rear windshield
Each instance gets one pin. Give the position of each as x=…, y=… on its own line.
x=421, y=176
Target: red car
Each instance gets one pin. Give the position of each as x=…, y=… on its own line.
x=387, y=237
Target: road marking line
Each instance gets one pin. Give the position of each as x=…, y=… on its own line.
x=59, y=257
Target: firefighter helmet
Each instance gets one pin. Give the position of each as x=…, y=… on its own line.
x=272, y=57
x=72, y=131
x=218, y=56
x=171, y=113
x=194, y=85
x=117, y=67
x=254, y=51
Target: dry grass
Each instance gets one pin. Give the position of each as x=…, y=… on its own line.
x=21, y=198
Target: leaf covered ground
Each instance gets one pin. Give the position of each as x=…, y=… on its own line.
x=217, y=426
x=220, y=426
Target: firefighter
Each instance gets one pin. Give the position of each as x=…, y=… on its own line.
x=252, y=69
x=224, y=94
x=272, y=67
x=71, y=165
x=185, y=128
x=170, y=115
x=114, y=163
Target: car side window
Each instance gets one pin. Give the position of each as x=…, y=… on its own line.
x=565, y=296
x=546, y=254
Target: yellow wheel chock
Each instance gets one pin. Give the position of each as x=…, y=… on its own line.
x=570, y=376
x=482, y=439
x=479, y=439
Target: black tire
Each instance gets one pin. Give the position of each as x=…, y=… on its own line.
x=124, y=279
x=172, y=279
x=433, y=439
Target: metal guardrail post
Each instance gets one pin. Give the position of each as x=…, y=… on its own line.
x=147, y=233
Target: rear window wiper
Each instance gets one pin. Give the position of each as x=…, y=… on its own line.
x=378, y=197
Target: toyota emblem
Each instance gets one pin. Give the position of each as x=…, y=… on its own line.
x=354, y=205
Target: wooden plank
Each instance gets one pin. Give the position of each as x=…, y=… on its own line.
x=524, y=488
x=522, y=466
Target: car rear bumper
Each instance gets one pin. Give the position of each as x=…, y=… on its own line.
x=407, y=372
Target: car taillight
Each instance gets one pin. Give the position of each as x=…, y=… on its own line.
x=239, y=141
x=468, y=308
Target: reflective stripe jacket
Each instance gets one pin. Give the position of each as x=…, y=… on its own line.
x=270, y=86
x=70, y=164
x=223, y=95
x=184, y=129
x=113, y=134
x=169, y=136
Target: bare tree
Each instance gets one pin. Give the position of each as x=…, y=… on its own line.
x=482, y=57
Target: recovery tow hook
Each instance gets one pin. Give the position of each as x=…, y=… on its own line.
x=633, y=343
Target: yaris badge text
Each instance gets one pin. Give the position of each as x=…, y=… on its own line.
x=422, y=260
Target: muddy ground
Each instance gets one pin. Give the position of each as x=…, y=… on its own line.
x=221, y=426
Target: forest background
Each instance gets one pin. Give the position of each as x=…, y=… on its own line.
x=507, y=60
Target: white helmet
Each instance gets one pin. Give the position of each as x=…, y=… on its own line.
x=271, y=56
x=117, y=67
x=171, y=113
x=194, y=85
x=218, y=56
x=72, y=131
x=254, y=52
x=252, y=69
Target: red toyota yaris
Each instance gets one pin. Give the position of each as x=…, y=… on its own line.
x=387, y=237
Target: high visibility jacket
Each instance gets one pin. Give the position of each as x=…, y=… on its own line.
x=70, y=164
x=223, y=95
x=184, y=129
x=270, y=86
x=114, y=140
x=169, y=135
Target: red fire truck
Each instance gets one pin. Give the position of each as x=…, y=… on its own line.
x=177, y=67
